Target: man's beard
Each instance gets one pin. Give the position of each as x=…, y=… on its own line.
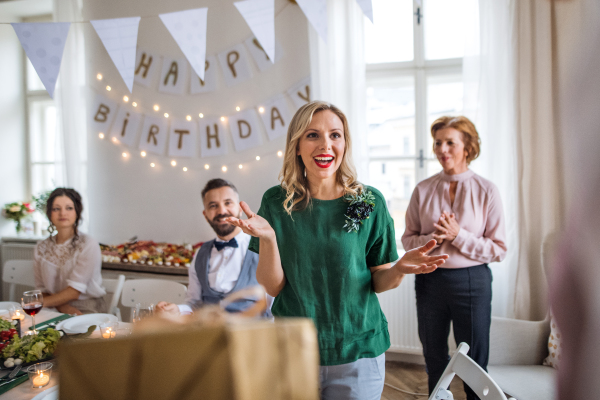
x=222, y=230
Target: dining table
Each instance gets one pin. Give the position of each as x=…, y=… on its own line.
x=25, y=391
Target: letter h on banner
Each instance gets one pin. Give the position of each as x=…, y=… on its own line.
x=212, y=137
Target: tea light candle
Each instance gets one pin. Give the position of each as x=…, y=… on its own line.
x=41, y=379
x=18, y=315
x=109, y=333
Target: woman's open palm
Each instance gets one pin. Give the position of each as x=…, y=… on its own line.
x=416, y=261
x=255, y=225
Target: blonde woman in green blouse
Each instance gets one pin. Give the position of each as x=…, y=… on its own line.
x=321, y=258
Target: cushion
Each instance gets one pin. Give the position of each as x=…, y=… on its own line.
x=554, y=345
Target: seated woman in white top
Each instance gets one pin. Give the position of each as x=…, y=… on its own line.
x=67, y=265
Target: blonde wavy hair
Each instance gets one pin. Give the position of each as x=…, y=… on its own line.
x=293, y=174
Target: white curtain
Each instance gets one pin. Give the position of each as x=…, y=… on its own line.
x=338, y=72
x=70, y=97
x=489, y=101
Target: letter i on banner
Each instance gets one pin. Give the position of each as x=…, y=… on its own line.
x=235, y=65
x=182, y=138
x=147, y=64
x=245, y=130
x=126, y=126
x=102, y=114
x=209, y=84
x=276, y=116
x=173, y=78
x=300, y=92
x=212, y=137
x=154, y=135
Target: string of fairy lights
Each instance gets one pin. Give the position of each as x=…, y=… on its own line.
x=173, y=162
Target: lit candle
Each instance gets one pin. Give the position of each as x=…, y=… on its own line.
x=18, y=315
x=41, y=379
x=108, y=333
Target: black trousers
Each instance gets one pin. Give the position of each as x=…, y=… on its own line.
x=463, y=296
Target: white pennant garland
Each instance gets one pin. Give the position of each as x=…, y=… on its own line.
x=316, y=12
x=44, y=44
x=367, y=8
x=188, y=28
x=119, y=36
x=260, y=17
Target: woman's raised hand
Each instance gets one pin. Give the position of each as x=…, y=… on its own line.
x=255, y=225
x=416, y=261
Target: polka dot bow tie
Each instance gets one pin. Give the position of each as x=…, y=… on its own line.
x=221, y=245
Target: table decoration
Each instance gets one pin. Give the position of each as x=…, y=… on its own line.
x=108, y=330
x=40, y=374
x=17, y=211
x=32, y=348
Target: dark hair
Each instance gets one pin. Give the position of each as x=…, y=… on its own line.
x=75, y=198
x=216, y=184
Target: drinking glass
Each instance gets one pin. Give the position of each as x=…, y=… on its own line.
x=32, y=302
x=140, y=312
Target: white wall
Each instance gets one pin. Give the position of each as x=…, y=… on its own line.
x=129, y=198
x=13, y=161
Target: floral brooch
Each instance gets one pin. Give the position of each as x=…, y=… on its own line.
x=361, y=206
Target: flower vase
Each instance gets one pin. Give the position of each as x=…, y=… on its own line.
x=19, y=227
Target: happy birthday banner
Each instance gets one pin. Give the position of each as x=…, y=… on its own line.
x=44, y=42
x=180, y=137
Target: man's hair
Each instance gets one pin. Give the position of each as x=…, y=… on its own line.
x=216, y=184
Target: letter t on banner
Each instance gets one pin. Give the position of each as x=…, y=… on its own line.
x=188, y=28
x=119, y=37
x=316, y=12
x=44, y=44
x=260, y=17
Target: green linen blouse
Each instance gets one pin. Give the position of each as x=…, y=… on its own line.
x=327, y=273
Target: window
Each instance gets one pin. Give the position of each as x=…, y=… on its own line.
x=41, y=125
x=414, y=75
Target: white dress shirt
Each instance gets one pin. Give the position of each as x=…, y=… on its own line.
x=223, y=274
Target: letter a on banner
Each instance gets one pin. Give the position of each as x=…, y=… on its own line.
x=44, y=44
x=188, y=28
x=119, y=37
x=260, y=17
x=316, y=13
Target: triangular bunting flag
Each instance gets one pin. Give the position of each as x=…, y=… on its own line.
x=367, y=8
x=316, y=12
x=188, y=28
x=44, y=44
x=260, y=17
x=119, y=37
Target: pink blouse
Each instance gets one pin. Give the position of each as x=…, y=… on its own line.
x=478, y=210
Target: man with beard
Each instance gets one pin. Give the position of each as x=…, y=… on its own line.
x=223, y=265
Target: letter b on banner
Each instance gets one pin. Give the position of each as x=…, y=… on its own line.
x=244, y=129
x=103, y=113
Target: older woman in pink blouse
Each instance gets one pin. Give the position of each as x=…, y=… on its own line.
x=463, y=212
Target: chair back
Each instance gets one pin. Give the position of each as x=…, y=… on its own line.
x=18, y=272
x=472, y=374
x=114, y=286
x=151, y=291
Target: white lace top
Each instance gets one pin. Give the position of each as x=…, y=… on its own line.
x=58, y=266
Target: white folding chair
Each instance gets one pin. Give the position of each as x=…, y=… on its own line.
x=471, y=373
x=151, y=291
x=114, y=286
x=18, y=272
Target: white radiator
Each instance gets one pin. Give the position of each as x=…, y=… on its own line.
x=15, y=250
x=400, y=308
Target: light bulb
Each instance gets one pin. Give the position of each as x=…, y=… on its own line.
x=201, y=115
x=224, y=169
x=125, y=99
x=134, y=104
x=240, y=166
x=166, y=115
x=143, y=153
x=115, y=140
x=280, y=153
x=173, y=163
x=108, y=88
x=184, y=169
x=156, y=107
x=237, y=109
x=99, y=77
x=261, y=110
x=222, y=119
x=152, y=165
x=189, y=117
x=257, y=158
x=206, y=166
x=124, y=155
x=101, y=135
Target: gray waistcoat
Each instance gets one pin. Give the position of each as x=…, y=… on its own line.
x=247, y=278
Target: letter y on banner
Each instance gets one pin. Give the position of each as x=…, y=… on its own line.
x=260, y=17
x=119, y=37
x=188, y=28
x=44, y=44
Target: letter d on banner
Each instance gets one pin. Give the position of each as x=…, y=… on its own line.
x=245, y=130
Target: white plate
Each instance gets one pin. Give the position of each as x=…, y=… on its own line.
x=6, y=305
x=48, y=394
x=81, y=323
